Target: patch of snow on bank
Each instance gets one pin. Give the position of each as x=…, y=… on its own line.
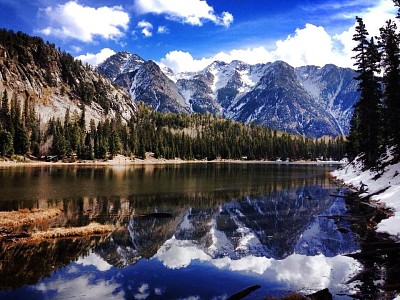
x=385, y=184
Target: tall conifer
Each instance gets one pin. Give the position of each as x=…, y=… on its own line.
x=389, y=44
x=367, y=110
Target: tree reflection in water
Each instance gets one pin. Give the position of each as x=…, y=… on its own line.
x=234, y=219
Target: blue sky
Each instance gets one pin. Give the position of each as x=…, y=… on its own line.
x=187, y=35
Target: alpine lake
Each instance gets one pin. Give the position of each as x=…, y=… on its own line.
x=187, y=231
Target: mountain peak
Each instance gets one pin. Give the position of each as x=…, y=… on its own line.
x=309, y=100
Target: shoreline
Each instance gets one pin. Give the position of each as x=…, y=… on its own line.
x=379, y=249
x=379, y=188
x=121, y=160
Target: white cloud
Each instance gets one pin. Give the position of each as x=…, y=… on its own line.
x=143, y=292
x=180, y=61
x=72, y=20
x=311, y=45
x=375, y=17
x=298, y=271
x=176, y=254
x=62, y=288
x=146, y=27
x=76, y=49
x=95, y=260
x=162, y=30
x=96, y=59
x=226, y=19
x=193, y=12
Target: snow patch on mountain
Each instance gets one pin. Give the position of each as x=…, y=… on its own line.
x=335, y=89
x=220, y=242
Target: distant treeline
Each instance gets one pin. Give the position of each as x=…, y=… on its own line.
x=167, y=135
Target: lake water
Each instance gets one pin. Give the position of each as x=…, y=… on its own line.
x=227, y=227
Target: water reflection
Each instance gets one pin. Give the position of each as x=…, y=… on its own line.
x=27, y=263
x=35, y=186
x=244, y=223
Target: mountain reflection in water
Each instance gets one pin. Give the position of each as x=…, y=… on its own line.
x=231, y=227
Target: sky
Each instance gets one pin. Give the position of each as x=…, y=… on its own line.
x=188, y=35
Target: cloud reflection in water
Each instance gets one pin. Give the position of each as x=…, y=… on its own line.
x=297, y=271
x=83, y=287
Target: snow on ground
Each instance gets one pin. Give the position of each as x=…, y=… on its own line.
x=385, y=184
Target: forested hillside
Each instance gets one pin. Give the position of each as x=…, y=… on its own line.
x=52, y=104
x=184, y=136
x=39, y=82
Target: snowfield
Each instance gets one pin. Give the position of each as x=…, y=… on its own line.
x=384, y=185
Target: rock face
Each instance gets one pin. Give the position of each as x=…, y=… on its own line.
x=278, y=100
x=309, y=100
x=145, y=81
x=335, y=89
x=53, y=81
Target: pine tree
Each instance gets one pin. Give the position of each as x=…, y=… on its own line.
x=389, y=44
x=4, y=112
x=6, y=143
x=367, y=109
x=82, y=119
x=21, y=140
x=59, y=144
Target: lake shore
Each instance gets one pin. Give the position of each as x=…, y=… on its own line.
x=124, y=160
x=375, y=207
x=379, y=187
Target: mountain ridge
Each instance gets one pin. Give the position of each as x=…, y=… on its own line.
x=311, y=101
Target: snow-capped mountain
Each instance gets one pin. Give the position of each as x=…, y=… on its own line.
x=309, y=100
x=278, y=100
x=145, y=81
x=333, y=88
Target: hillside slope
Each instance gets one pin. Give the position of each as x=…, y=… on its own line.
x=51, y=81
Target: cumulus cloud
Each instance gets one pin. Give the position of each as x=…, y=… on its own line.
x=162, y=30
x=296, y=270
x=180, y=61
x=76, y=49
x=96, y=59
x=73, y=20
x=375, y=17
x=193, y=12
x=147, y=28
x=94, y=259
x=310, y=45
x=226, y=19
x=143, y=292
x=63, y=288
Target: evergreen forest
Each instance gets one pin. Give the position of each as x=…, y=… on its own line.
x=375, y=125
x=167, y=135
